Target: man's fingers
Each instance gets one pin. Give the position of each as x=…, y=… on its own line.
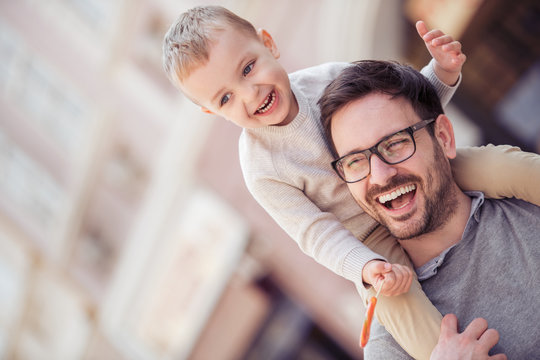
x=489, y=338
x=498, y=357
x=449, y=325
x=476, y=328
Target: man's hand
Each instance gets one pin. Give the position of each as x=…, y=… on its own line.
x=398, y=278
x=445, y=50
x=472, y=344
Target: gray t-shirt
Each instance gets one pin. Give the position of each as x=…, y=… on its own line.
x=493, y=273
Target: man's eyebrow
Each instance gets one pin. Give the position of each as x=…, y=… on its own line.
x=359, y=150
x=239, y=66
x=355, y=151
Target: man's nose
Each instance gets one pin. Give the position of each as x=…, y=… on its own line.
x=380, y=171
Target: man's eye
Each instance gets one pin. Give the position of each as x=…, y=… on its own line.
x=355, y=162
x=397, y=143
x=248, y=68
x=225, y=99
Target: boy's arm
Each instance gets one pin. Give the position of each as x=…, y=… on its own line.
x=444, y=70
x=498, y=171
x=319, y=234
x=445, y=51
x=444, y=91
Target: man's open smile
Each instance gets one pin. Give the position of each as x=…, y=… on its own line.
x=398, y=198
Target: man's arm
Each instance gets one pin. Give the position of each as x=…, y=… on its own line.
x=473, y=343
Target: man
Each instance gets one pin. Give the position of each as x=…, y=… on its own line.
x=475, y=257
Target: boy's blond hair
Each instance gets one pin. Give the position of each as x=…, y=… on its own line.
x=186, y=43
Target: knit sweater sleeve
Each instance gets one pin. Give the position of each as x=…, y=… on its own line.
x=299, y=199
x=444, y=91
x=319, y=234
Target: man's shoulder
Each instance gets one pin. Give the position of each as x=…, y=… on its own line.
x=511, y=205
x=508, y=217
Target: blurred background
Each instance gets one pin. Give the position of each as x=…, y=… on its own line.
x=126, y=231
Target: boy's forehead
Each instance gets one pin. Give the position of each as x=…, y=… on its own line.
x=227, y=50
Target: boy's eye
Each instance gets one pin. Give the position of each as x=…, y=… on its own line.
x=225, y=99
x=248, y=69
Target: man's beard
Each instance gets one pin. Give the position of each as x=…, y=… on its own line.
x=440, y=202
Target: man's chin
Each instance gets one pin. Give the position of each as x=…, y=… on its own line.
x=404, y=230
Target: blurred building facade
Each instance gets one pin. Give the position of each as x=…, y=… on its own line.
x=125, y=229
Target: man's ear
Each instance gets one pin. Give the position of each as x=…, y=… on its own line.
x=268, y=42
x=206, y=111
x=444, y=133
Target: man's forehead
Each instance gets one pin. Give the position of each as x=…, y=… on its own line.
x=374, y=116
x=364, y=122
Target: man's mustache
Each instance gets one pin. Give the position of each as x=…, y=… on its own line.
x=396, y=181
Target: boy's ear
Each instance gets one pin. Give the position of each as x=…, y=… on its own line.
x=267, y=40
x=206, y=111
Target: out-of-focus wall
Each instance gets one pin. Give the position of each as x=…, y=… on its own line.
x=125, y=229
x=112, y=246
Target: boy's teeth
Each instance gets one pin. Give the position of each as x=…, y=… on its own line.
x=395, y=194
x=267, y=103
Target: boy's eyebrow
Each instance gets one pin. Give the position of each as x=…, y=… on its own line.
x=238, y=67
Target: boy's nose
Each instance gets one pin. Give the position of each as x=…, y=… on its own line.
x=380, y=171
x=249, y=92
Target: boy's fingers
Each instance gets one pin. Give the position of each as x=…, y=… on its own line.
x=380, y=267
x=442, y=40
x=453, y=46
x=433, y=34
x=389, y=281
x=460, y=59
x=421, y=28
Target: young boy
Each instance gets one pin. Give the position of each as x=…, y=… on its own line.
x=228, y=68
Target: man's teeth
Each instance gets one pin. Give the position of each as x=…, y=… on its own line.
x=395, y=194
x=267, y=103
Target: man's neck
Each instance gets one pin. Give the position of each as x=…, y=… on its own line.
x=425, y=247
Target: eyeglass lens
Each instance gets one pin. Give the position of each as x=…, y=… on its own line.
x=391, y=150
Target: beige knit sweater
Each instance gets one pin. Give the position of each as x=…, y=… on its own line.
x=287, y=170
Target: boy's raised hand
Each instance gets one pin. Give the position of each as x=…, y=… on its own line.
x=398, y=278
x=445, y=50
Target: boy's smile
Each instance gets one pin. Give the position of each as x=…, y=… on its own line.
x=243, y=81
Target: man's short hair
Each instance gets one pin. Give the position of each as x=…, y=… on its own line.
x=373, y=76
x=186, y=43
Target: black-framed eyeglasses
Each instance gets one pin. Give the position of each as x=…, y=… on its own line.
x=392, y=149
